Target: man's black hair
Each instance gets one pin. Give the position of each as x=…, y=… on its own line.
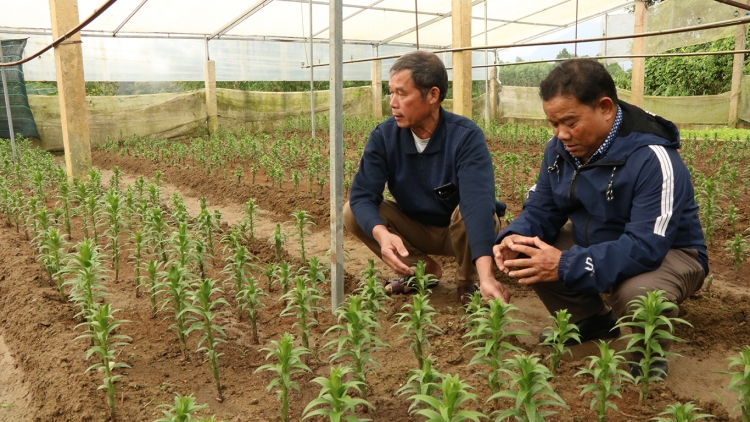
x=586, y=80
x=427, y=70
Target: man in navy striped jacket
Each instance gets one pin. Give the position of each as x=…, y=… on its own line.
x=613, y=210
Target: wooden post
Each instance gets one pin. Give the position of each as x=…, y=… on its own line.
x=638, y=75
x=494, y=93
x=740, y=42
x=336, y=54
x=212, y=108
x=377, y=85
x=461, y=19
x=71, y=88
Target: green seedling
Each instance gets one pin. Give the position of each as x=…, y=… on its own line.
x=205, y=308
x=250, y=300
x=238, y=174
x=284, y=274
x=179, y=209
x=422, y=381
x=270, y=271
x=93, y=212
x=288, y=364
x=301, y=222
x=81, y=195
x=207, y=227
x=737, y=248
x=113, y=205
x=180, y=245
x=87, y=272
x=250, y=211
x=740, y=381
x=650, y=326
x=137, y=257
x=681, y=413
x=199, y=256
x=455, y=393
x=152, y=269
x=607, y=379
x=334, y=399
x=52, y=251
x=175, y=289
x=372, y=291
x=277, y=240
x=530, y=390
x=416, y=322
x=183, y=410
x=300, y=304
x=101, y=325
x=64, y=199
x=490, y=334
x=421, y=279
x=561, y=332
x=155, y=229
x=356, y=339
x=237, y=268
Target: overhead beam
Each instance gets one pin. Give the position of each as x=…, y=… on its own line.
x=130, y=16
x=241, y=18
x=735, y=4
x=350, y=16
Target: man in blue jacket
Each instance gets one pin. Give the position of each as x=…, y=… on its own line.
x=614, y=172
x=438, y=169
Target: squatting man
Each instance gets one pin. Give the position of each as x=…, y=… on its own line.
x=438, y=170
x=613, y=210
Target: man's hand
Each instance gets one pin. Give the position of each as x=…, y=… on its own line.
x=391, y=247
x=488, y=285
x=541, y=264
x=503, y=251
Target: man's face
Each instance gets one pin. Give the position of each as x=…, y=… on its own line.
x=580, y=127
x=407, y=104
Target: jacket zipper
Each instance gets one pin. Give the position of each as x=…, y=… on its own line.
x=586, y=231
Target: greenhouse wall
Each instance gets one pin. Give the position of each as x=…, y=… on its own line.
x=180, y=115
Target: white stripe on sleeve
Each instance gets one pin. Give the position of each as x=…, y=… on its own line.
x=667, y=190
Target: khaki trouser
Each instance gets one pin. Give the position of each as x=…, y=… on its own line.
x=422, y=240
x=679, y=276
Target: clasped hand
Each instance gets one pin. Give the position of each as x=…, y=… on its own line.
x=540, y=265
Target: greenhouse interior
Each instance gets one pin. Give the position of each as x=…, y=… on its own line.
x=174, y=185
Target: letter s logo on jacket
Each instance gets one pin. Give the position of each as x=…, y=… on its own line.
x=589, y=266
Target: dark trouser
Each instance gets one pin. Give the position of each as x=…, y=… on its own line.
x=422, y=240
x=679, y=276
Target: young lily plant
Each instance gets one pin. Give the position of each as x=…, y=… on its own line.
x=562, y=332
x=454, y=394
x=607, y=380
x=288, y=363
x=416, y=322
x=334, y=399
x=740, y=381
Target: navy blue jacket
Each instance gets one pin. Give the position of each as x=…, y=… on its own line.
x=628, y=209
x=457, y=153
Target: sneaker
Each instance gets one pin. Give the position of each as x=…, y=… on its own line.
x=658, y=369
x=594, y=327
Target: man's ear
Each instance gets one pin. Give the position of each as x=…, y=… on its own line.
x=433, y=95
x=608, y=107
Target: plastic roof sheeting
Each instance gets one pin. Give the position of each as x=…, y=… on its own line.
x=365, y=21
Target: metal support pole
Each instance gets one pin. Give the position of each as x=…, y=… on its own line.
x=416, y=22
x=312, y=78
x=486, y=73
x=336, y=178
x=7, y=109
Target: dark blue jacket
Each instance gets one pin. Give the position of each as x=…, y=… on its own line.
x=457, y=153
x=628, y=209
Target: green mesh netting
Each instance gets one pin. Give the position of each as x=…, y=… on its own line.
x=23, y=120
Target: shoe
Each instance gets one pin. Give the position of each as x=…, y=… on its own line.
x=658, y=369
x=592, y=328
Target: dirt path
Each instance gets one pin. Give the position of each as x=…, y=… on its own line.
x=15, y=400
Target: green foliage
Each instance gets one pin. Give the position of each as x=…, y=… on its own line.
x=183, y=410
x=650, y=324
x=101, y=327
x=85, y=266
x=337, y=404
x=416, y=322
x=250, y=300
x=356, y=339
x=737, y=248
x=51, y=254
x=455, y=393
x=490, y=333
x=371, y=290
x=422, y=381
x=740, y=381
x=301, y=303
x=205, y=308
x=529, y=385
x=561, y=332
x=287, y=364
x=175, y=290
x=301, y=222
x=607, y=379
x=681, y=413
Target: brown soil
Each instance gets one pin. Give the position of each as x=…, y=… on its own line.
x=43, y=368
